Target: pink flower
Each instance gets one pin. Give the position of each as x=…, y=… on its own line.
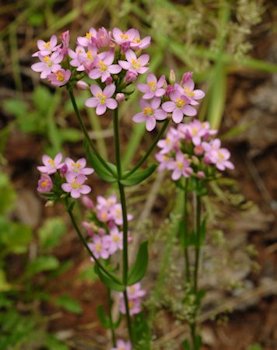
x=100, y=246
x=180, y=167
x=171, y=142
x=165, y=161
x=134, y=306
x=47, y=64
x=187, y=88
x=135, y=291
x=130, y=77
x=103, y=38
x=138, y=43
x=102, y=99
x=79, y=167
x=45, y=183
x=104, y=67
x=51, y=165
x=116, y=240
x=82, y=85
x=194, y=131
x=179, y=106
x=122, y=345
x=88, y=38
x=134, y=64
x=124, y=37
x=65, y=36
x=59, y=77
x=46, y=47
x=82, y=59
x=75, y=185
x=221, y=159
x=150, y=113
x=116, y=214
x=87, y=202
x=153, y=87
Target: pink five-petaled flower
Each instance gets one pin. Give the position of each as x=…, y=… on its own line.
x=134, y=306
x=150, y=113
x=123, y=38
x=187, y=88
x=179, y=106
x=79, y=167
x=46, y=47
x=220, y=158
x=116, y=240
x=153, y=87
x=47, y=64
x=88, y=38
x=45, y=184
x=59, y=77
x=138, y=43
x=102, y=99
x=135, y=291
x=75, y=185
x=104, y=67
x=122, y=345
x=171, y=142
x=180, y=167
x=51, y=165
x=134, y=64
x=100, y=246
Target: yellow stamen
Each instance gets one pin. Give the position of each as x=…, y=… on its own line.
x=135, y=63
x=51, y=162
x=102, y=98
x=102, y=66
x=89, y=55
x=188, y=92
x=179, y=165
x=152, y=85
x=88, y=35
x=60, y=75
x=124, y=36
x=148, y=111
x=47, y=45
x=75, y=185
x=180, y=102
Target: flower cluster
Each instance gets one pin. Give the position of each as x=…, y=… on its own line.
x=68, y=176
x=122, y=345
x=161, y=98
x=112, y=59
x=103, y=225
x=192, y=150
x=135, y=295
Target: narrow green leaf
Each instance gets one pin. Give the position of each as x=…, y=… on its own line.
x=103, y=317
x=139, y=268
x=42, y=263
x=100, y=169
x=109, y=280
x=69, y=304
x=186, y=345
x=138, y=176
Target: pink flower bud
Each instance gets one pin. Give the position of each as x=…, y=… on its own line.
x=87, y=202
x=120, y=97
x=82, y=85
x=63, y=170
x=186, y=77
x=169, y=90
x=130, y=77
x=198, y=150
x=200, y=175
x=109, y=80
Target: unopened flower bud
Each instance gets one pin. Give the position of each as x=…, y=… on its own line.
x=82, y=85
x=120, y=97
x=200, y=174
x=186, y=77
x=109, y=80
x=130, y=77
x=63, y=170
x=198, y=150
x=87, y=202
x=169, y=90
x=172, y=77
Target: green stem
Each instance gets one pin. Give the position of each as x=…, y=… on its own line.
x=125, y=221
x=84, y=129
x=111, y=317
x=150, y=149
x=186, y=253
x=197, y=247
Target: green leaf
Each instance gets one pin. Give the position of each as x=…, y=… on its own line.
x=51, y=232
x=109, y=280
x=103, y=317
x=139, y=268
x=138, y=176
x=8, y=195
x=53, y=343
x=42, y=263
x=70, y=135
x=4, y=285
x=186, y=345
x=98, y=166
x=15, y=107
x=69, y=304
x=141, y=332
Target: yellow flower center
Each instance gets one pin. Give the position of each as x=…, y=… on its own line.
x=75, y=185
x=220, y=156
x=180, y=102
x=135, y=63
x=188, y=92
x=194, y=131
x=47, y=60
x=98, y=247
x=44, y=184
x=47, y=45
x=136, y=40
x=51, y=162
x=75, y=166
x=124, y=36
x=102, y=66
x=88, y=35
x=102, y=98
x=152, y=85
x=60, y=75
x=179, y=165
x=148, y=111
x=116, y=239
x=89, y=55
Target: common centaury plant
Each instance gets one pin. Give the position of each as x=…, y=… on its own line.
x=108, y=63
